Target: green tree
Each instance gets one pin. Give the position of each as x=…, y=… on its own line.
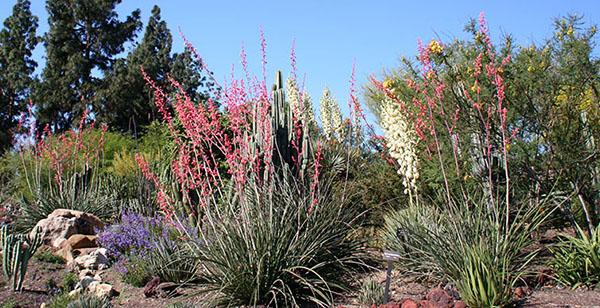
x=82, y=41
x=126, y=100
x=17, y=40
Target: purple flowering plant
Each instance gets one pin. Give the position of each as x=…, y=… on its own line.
x=134, y=235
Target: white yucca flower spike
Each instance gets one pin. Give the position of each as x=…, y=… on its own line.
x=293, y=95
x=401, y=140
x=331, y=117
x=309, y=113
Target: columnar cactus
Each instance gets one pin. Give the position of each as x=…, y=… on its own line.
x=17, y=249
x=285, y=128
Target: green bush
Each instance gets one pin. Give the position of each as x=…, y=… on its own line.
x=137, y=272
x=464, y=243
x=69, y=282
x=48, y=257
x=371, y=293
x=89, y=301
x=576, y=259
x=267, y=249
x=60, y=301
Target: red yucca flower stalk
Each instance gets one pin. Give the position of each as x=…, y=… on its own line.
x=73, y=151
x=240, y=135
x=432, y=111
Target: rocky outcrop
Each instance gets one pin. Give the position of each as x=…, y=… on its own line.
x=61, y=224
x=95, y=260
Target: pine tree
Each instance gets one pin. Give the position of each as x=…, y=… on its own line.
x=82, y=41
x=17, y=40
x=127, y=101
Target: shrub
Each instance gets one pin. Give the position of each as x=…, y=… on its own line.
x=464, y=243
x=89, y=301
x=576, y=259
x=267, y=248
x=69, y=282
x=133, y=235
x=60, y=301
x=370, y=293
x=48, y=257
x=135, y=271
x=145, y=247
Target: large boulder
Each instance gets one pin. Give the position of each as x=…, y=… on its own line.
x=62, y=223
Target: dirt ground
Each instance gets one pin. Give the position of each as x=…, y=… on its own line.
x=40, y=273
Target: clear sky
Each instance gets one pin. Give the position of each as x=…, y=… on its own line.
x=331, y=35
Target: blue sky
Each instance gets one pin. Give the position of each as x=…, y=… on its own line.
x=331, y=35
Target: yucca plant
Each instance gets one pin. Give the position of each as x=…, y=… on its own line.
x=576, y=260
x=89, y=301
x=370, y=293
x=84, y=192
x=465, y=243
x=267, y=248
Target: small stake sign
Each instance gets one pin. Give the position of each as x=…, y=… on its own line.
x=390, y=257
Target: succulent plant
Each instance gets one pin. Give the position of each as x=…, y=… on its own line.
x=17, y=249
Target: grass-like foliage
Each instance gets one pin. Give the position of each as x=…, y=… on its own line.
x=89, y=301
x=80, y=191
x=576, y=259
x=465, y=243
x=267, y=248
x=371, y=293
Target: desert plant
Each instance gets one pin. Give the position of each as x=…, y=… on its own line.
x=79, y=192
x=370, y=293
x=48, y=257
x=135, y=271
x=464, y=243
x=89, y=301
x=267, y=248
x=145, y=247
x=576, y=259
x=60, y=301
x=17, y=250
x=68, y=282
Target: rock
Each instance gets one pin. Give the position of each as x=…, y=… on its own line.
x=460, y=304
x=86, y=273
x=84, y=283
x=96, y=260
x=62, y=223
x=78, y=241
x=75, y=292
x=519, y=293
x=409, y=303
x=65, y=253
x=439, y=298
x=77, y=245
x=150, y=288
x=102, y=289
x=166, y=289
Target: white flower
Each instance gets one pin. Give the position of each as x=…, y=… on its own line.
x=331, y=117
x=401, y=141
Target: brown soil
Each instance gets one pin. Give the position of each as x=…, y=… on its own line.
x=35, y=291
x=39, y=273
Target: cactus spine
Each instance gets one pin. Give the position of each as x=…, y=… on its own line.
x=17, y=249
